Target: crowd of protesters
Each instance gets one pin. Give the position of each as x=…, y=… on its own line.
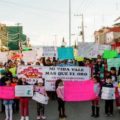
x=99, y=72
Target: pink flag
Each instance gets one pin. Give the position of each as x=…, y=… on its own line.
x=79, y=90
x=7, y=92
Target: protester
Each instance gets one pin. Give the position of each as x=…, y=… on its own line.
x=8, y=103
x=16, y=100
x=95, y=102
x=39, y=88
x=24, y=103
x=60, y=98
x=108, y=103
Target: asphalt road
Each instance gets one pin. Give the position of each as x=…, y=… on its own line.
x=74, y=111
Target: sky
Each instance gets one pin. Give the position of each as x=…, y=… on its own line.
x=46, y=22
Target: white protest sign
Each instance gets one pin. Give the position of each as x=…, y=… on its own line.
x=39, y=52
x=88, y=50
x=51, y=74
x=91, y=50
x=108, y=93
x=49, y=52
x=101, y=49
x=3, y=57
x=24, y=90
x=29, y=56
x=40, y=98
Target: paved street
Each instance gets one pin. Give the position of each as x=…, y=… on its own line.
x=75, y=111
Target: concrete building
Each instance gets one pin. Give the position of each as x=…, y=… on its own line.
x=107, y=35
x=3, y=35
x=100, y=35
x=12, y=37
x=113, y=35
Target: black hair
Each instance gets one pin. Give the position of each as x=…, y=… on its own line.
x=113, y=68
x=108, y=77
x=57, y=83
x=119, y=71
x=97, y=78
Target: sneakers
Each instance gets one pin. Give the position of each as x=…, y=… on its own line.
x=38, y=117
x=43, y=117
x=22, y=118
x=26, y=118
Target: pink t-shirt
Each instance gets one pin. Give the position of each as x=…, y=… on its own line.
x=60, y=92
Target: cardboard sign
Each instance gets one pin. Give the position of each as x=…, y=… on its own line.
x=3, y=57
x=13, y=71
x=65, y=53
x=114, y=62
x=79, y=91
x=40, y=98
x=108, y=54
x=91, y=50
x=108, y=93
x=49, y=52
x=102, y=48
x=29, y=56
x=24, y=90
x=7, y=92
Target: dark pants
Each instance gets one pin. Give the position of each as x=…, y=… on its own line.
x=95, y=102
x=16, y=105
x=108, y=106
x=2, y=107
x=61, y=107
x=40, y=109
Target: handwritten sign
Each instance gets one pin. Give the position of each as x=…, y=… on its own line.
x=108, y=54
x=108, y=93
x=114, y=62
x=40, y=98
x=29, y=56
x=7, y=92
x=79, y=90
x=91, y=50
x=49, y=52
x=3, y=57
x=65, y=53
x=24, y=91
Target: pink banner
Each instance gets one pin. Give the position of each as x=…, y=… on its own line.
x=7, y=92
x=79, y=90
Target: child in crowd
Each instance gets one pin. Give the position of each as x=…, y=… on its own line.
x=16, y=100
x=24, y=103
x=108, y=103
x=113, y=75
x=60, y=98
x=8, y=103
x=40, y=107
x=95, y=102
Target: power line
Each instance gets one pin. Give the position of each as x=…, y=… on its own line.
x=32, y=7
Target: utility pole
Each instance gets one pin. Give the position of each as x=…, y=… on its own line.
x=69, y=23
x=82, y=26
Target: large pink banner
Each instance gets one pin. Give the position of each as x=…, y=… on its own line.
x=7, y=92
x=79, y=90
